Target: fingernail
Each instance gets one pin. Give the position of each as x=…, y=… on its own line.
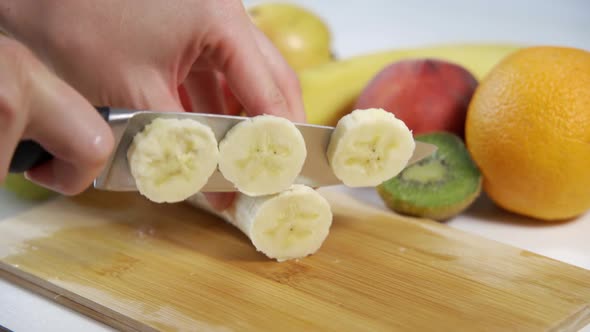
x=42, y=178
x=53, y=176
x=66, y=179
x=102, y=146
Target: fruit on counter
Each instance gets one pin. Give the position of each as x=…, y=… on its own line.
x=528, y=130
x=437, y=187
x=172, y=159
x=288, y=225
x=25, y=189
x=262, y=155
x=427, y=94
x=331, y=90
x=368, y=147
x=300, y=35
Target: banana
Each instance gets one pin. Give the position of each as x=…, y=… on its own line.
x=172, y=159
x=288, y=225
x=330, y=90
x=368, y=147
x=262, y=155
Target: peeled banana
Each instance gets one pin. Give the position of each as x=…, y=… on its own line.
x=289, y=225
x=262, y=155
x=368, y=147
x=330, y=90
x=172, y=159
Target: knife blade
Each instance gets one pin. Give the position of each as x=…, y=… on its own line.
x=126, y=123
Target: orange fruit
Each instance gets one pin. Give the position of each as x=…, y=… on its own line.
x=528, y=130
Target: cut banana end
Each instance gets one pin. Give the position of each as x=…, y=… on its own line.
x=262, y=155
x=368, y=147
x=289, y=225
x=172, y=159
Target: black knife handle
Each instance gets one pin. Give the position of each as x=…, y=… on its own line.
x=29, y=154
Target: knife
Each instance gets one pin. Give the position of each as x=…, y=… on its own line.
x=126, y=123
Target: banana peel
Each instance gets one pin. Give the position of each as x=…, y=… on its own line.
x=330, y=90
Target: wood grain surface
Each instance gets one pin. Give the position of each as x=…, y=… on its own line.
x=141, y=266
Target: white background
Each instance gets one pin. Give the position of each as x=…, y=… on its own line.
x=371, y=25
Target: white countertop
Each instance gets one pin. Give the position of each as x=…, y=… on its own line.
x=370, y=25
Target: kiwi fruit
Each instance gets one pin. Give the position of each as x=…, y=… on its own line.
x=437, y=187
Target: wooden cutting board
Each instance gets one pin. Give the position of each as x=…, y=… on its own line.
x=141, y=266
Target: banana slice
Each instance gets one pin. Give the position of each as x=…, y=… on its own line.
x=368, y=147
x=289, y=225
x=172, y=159
x=262, y=155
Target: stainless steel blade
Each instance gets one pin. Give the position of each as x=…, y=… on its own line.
x=316, y=171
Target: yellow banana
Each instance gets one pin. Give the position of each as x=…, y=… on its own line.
x=330, y=90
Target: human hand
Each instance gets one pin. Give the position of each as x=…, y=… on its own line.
x=37, y=105
x=125, y=53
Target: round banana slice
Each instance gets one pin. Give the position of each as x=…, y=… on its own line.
x=172, y=159
x=289, y=225
x=262, y=155
x=368, y=147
